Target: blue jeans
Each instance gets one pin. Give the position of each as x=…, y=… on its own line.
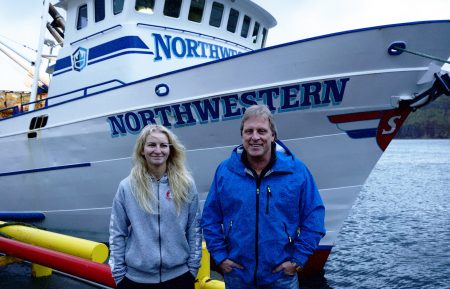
x=285, y=282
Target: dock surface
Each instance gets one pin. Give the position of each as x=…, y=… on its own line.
x=18, y=276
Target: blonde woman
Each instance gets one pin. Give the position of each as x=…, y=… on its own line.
x=155, y=237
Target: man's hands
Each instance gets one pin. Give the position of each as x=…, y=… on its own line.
x=228, y=265
x=288, y=267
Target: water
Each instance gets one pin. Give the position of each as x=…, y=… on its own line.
x=398, y=233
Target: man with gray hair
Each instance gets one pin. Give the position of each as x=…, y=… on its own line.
x=263, y=216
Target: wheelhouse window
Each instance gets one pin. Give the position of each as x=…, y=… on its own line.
x=145, y=6
x=232, y=20
x=245, y=26
x=264, y=35
x=117, y=6
x=216, y=14
x=172, y=8
x=99, y=7
x=255, y=32
x=82, y=19
x=196, y=10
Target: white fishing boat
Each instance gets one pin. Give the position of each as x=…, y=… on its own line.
x=194, y=66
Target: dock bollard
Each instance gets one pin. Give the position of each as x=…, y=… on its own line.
x=38, y=271
x=6, y=260
x=204, y=280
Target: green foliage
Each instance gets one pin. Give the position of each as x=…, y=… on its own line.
x=432, y=121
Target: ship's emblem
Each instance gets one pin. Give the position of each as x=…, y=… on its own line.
x=390, y=124
x=79, y=58
x=383, y=124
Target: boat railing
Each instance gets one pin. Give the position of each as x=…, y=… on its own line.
x=43, y=103
x=12, y=110
x=22, y=108
x=17, y=103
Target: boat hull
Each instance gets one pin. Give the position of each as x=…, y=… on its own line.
x=332, y=99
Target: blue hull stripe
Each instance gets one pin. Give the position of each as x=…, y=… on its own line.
x=116, y=45
x=119, y=54
x=67, y=70
x=63, y=63
x=324, y=248
x=45, y=169
x=362, y=133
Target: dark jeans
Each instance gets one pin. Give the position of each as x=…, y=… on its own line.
x=185, y=281
x=285, y=282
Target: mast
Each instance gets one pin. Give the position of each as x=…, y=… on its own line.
x=38, y=61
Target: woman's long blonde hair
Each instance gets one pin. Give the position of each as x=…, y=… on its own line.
x=180, y=179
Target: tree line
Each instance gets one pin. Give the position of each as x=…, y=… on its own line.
x=431, y=121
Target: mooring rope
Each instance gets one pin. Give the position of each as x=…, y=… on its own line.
x=396, y=47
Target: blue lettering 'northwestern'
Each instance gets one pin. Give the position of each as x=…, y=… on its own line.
x=207, y=109
x=183, y=114
x=166, y=46
x=336, y=89
x=279, y=99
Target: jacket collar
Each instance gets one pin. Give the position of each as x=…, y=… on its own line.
x=163, y=179
x=283, y=160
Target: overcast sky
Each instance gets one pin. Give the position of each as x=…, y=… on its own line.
x=297, y=19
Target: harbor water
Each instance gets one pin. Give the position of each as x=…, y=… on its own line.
x=398, y=232
x=396, y=236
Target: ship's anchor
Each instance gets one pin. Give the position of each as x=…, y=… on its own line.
x=441, y=85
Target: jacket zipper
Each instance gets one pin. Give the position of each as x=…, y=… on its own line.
x=258, y=184
x=159, y=238
x=269, y=195
x=229, y=231
x=287, y=233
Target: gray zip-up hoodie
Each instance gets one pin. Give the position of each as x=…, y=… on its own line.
x=153, y=248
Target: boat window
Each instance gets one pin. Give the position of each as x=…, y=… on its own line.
x=172, y=8
x=196, y=10
x=264, y=35
x=82, y=17
x=232, y=20
x=99, y=6
x=216, y=14
x=145, y=6
x=117, y=6
x=255, y=32
x=245, y=26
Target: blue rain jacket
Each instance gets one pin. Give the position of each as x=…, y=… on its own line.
x=261, y=222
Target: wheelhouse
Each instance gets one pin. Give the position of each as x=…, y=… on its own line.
x=241, y=21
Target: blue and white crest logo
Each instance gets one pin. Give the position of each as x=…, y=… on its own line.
x=79, y=58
